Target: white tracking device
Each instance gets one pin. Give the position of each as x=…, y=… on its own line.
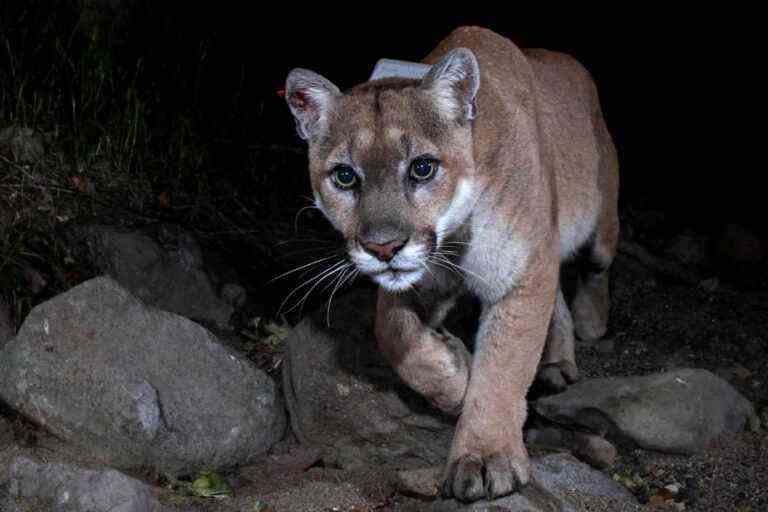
x=390, y=68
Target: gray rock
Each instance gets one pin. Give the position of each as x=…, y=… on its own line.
x=559, y=483
x=24, y=144
x=73, y=489
x=560, y=473
x=165, y=268
x=344, y=396
x=676, y=412
x=549, y=437
x=137, y=386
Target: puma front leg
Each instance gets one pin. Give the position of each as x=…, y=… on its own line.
x=432, y=362
x=488, y=458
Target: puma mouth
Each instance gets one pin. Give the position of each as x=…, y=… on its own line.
x=400, y=273
x=396, y=280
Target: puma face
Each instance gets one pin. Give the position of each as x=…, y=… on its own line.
x=391, y=163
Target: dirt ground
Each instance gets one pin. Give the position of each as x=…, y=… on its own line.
x=658, y=325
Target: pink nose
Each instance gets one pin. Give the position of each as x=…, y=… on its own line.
x=384, y=252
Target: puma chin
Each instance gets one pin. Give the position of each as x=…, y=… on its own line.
x=399, y=274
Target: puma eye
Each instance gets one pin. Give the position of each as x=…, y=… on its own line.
x=423, y=169
x=344, y=177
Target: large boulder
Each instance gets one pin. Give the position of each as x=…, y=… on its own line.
x=676, y=412
x=344, y=396
x=163, y=265
x=69, y=488
x=137, y=386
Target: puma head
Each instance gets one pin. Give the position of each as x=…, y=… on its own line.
x=391, y=162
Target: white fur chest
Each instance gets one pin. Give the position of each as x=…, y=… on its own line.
x=494, y=262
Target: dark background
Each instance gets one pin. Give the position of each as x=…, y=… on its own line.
x=675, y=87
x=679, y=90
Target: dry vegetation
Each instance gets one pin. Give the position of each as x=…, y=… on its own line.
x=97, y=128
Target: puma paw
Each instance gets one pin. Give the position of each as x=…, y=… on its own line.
x=472, y=477
x=590, y=330
x=557, y=376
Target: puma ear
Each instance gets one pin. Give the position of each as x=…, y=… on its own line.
x=453, y=82
x=309, y=97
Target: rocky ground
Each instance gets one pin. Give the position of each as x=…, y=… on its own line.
x=359, y=441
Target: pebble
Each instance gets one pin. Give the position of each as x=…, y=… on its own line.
x=605, y=346
x=710, y=285
x=419, y=483
x=594, y=450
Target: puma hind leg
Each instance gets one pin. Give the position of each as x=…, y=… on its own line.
x=558, y=362
x=591, y=300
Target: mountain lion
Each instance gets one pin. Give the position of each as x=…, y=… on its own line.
x=481, y=177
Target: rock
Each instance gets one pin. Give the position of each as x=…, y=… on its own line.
x=559, y=483
x=689, y=250
x=233, y=294
x=594, y=450
x=344, y=396
x=298, y=458
x=347, y=456
x=711, y=285
x=421, y=483
x=21, y=144
x=136, y=386
x=36, y=282
x=605, y=346
x=676, y=412
x=71, y=488
x=169, y=275
x=549, y=437
x=737, y=246
x=7, y=323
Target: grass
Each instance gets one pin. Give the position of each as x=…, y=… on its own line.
x=123, y=144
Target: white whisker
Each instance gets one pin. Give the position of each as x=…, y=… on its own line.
x=319, y=278
x=316, y=262
x=339, y=283
x=445, y=260
x=300, y=304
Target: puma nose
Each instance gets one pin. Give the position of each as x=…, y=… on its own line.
x=384, y=252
